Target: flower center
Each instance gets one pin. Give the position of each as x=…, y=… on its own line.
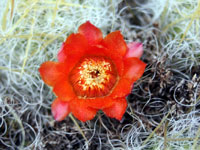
x=93, y=77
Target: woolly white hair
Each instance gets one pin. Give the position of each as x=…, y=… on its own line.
x=178, y=40
x=179, y=25
x=32, y=31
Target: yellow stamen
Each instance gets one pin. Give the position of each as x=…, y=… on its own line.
x=92, y=77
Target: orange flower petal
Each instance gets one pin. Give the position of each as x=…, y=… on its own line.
x=51, y=72
x=64, y=90
x=96, y=50
x=114, y=57
x=62, y=57
x=117, y=110
x=59, y=109
x=133, y=68
x=91, y=33
x=122, y=89
x=73, y=49
x=115, y=42
x=99, y=51
x=81, y=111
x=118, y=61
x=135, y=49
x=99, y=103
x=88, y=45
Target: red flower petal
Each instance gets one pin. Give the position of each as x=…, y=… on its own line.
x=73, y=49
x=99, y=103
x=118, y=61
x=115, y=43
x=62, y=57
x=51, y=72
x=59, y=109
x=81, y=111
x=135, y=49
x=102, y=51
x=80, y=78
x=96, y=50
x=91, y=33
x=99, y=51
x=117, y=110
x=64, y=90
x=133, y=68
x=122, y=89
